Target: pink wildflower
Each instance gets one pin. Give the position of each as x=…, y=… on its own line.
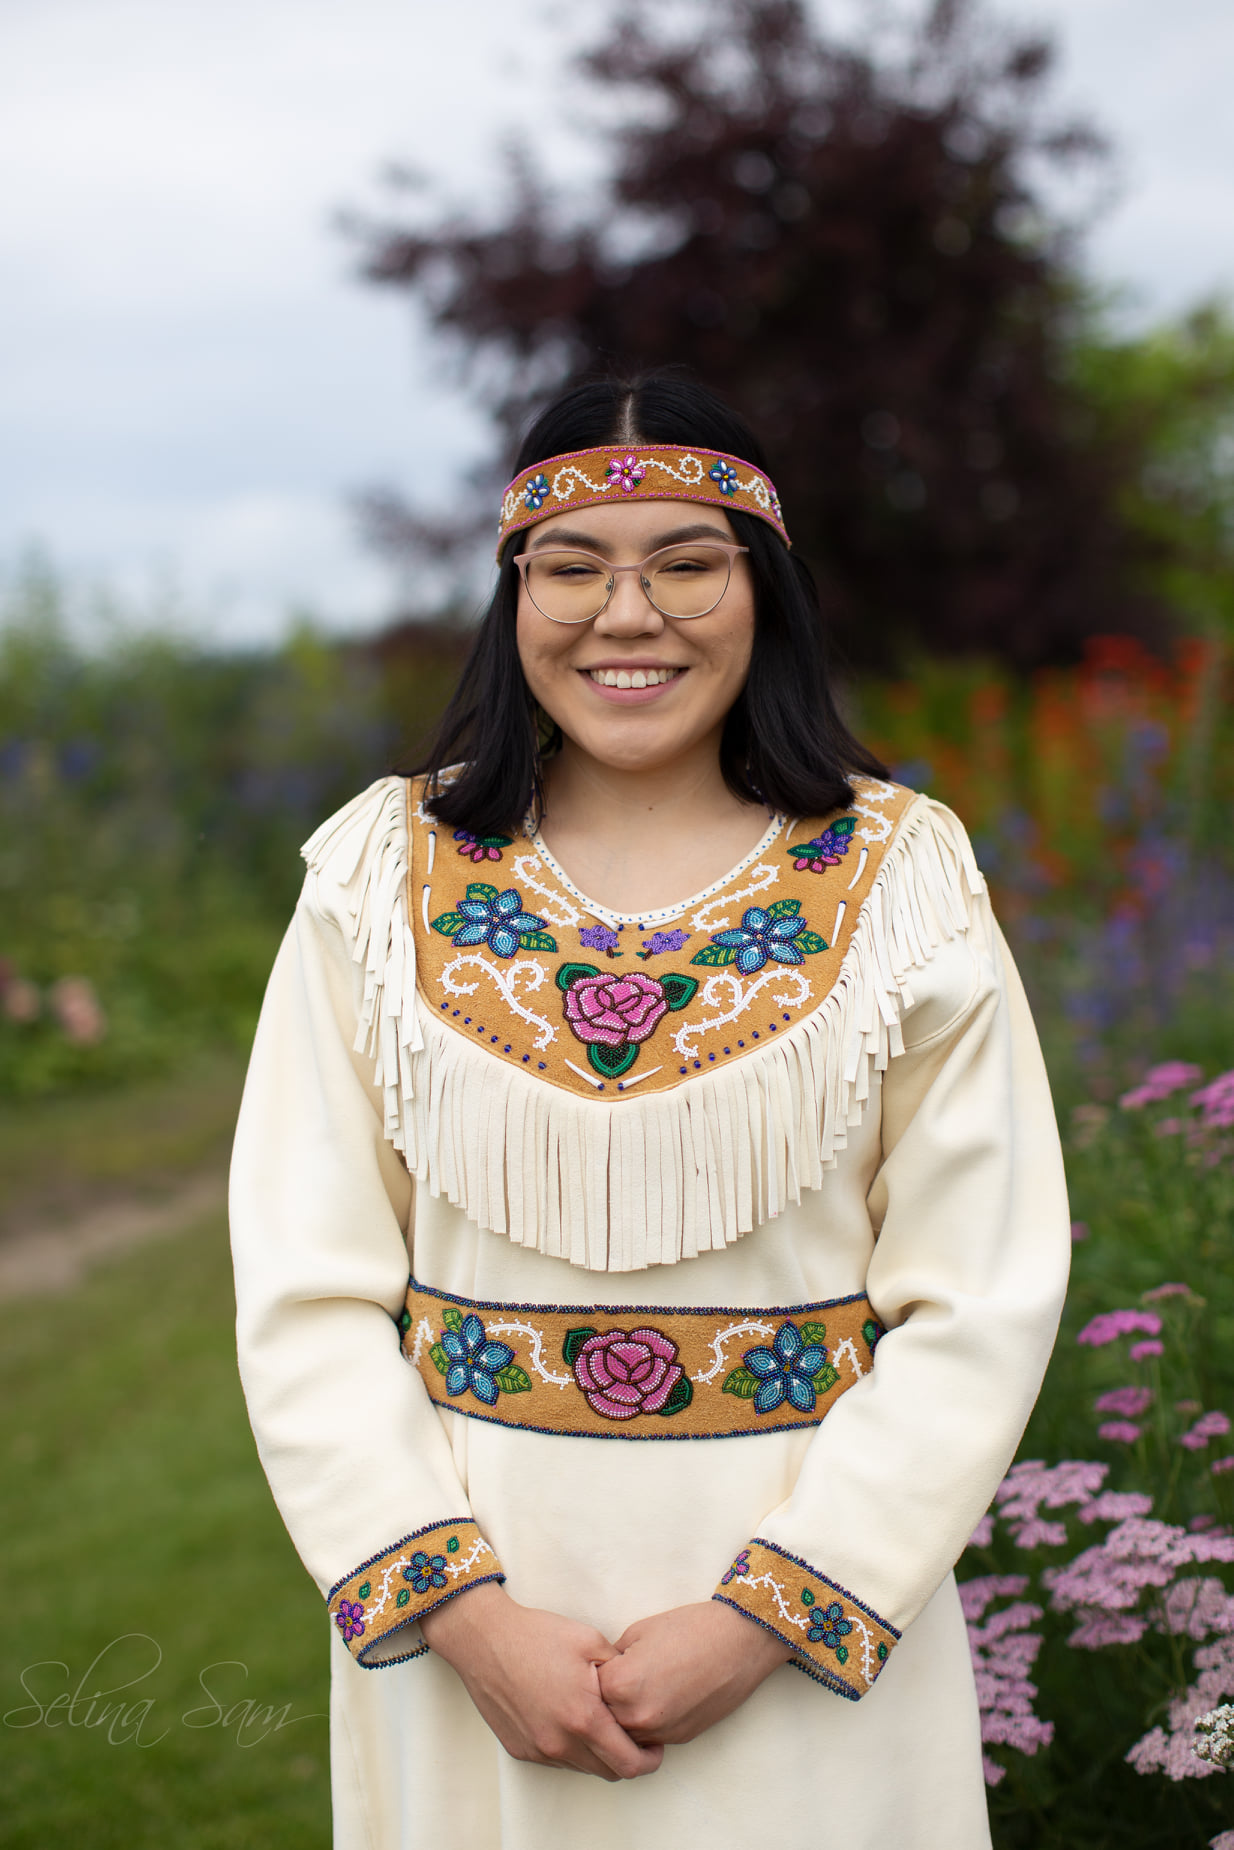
x=1216, y=1100
x=1030, y=1484
x=1119, y=1432
x=1140, y=1352
x=1159, y=1082
x=1038, y=1533
x=1165, y=1291
x=1168, y=1750
x=1109, y=1325
x=1003, y=1651
x=1116, y=1506
x=1079, y=1230
x=1131, y=1402
x=1197, y=1607
x=1098, y=1630
x=983, y=1534
x=1208, y=1426
x=1169, y=1127
x=1220, y=1465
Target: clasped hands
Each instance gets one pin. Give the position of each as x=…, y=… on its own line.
x=555, y=1692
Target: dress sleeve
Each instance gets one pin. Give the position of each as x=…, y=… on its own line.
x=967, y=1277
x=354, y=1450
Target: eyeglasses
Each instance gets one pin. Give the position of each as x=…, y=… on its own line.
x=569, y=586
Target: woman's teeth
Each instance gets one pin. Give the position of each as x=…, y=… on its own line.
x=636, y=677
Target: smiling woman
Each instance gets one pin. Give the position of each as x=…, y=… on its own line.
x=724, y=1002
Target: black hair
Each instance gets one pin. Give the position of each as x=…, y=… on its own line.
x=784, y=743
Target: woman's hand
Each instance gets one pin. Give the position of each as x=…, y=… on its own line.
x=682, y=1671
x=533, y=1676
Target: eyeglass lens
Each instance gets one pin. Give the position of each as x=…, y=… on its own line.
x=681, y=581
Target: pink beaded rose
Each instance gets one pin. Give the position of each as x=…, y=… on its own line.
x=624, y=1372
x=613, y=1014
x=615, y=1009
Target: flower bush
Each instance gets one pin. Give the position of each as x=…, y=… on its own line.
x=1124, y=1549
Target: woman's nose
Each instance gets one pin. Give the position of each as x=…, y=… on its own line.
x=629, y=612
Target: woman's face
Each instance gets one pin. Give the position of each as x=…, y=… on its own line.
x=568, y=666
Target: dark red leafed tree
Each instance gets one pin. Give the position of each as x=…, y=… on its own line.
x=848, y=245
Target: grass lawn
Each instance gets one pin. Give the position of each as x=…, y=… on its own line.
x=135, y=1522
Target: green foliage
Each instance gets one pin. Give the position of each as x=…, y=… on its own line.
x=137, y=1536
x=153, y=796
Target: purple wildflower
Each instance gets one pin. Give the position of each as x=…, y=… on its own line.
x=1168, y=1750
x=1079, y=1230
x=1119, y=1432
x=1140, y=1352
x=1221, y=1465
x=1109, y=1325
x=1159, y=1082
x=1116, y=1506
x=1216, y=1100
x=1165, y=1291
x=1131, y=1402
x=1003, y=1652
x=1208, y=1426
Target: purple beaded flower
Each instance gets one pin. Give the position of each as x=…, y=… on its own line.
x=625, y=472
x=537, y=493
x=350, y=1618
x=725, y=477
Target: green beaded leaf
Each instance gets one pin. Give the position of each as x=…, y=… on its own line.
x=826, y=1378
x=784, y=908
x=715, y=956
x=513, y=1380
x=678, y=989
x=537, y=941
x=439, y=1359
x=452, y=1545
x=404, y=1594
x=807, y=1597
x=869, y=1330
x=452, y=1317
x=844, y=826
x=742, y=1383
x=882, y=1654
x=449, y=924
x=480, y=889
x=813, y=1333
x=364, y=1591
x=404, y=1322
x=574, y=1342
x=679, y=1399
x=570, y=973
x=810, y=941
x=612, y=1062
x=842, y=1654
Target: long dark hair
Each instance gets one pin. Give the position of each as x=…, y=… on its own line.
x=784, y=743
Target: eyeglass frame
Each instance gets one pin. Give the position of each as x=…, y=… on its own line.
x=524, y=559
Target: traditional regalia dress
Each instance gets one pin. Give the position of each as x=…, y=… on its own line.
x=715, y=1252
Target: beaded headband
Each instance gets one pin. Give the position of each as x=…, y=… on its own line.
x=649, y=472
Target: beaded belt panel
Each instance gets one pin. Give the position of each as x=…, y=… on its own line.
x=638, y=1371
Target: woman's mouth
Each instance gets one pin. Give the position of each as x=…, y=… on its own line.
x=632, y=677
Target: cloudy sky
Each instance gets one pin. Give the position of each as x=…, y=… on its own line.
x=191, y=381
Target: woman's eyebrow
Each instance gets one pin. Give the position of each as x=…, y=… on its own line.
x=700, y=530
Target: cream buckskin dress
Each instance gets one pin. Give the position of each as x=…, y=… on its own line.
x=774, y=1174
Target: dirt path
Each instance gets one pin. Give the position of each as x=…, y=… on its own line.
x=56, y=1255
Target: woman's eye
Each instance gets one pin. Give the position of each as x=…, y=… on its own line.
x=574, y=573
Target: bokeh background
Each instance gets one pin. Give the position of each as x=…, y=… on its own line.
x=280, y=286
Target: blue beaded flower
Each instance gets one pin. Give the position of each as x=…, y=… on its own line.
x=474, y=1360
x=425, y=1571
x=495, y=919
x=725, y=475
x=829, y=1624
x=760, y=936
x=537, y=493
x=786, y=1371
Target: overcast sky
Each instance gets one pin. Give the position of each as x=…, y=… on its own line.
x=191, y=381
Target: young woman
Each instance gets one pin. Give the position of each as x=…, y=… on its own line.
x=677, y=1055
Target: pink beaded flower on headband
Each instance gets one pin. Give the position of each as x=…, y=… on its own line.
x=650, y=472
